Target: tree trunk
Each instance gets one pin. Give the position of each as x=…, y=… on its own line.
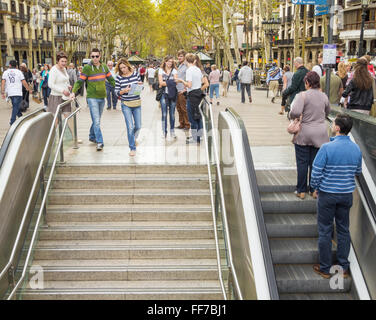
x=226, y=43
x=303, y=7
x=296, y=31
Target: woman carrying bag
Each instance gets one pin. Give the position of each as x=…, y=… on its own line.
x=311, y=107
x=167, y=77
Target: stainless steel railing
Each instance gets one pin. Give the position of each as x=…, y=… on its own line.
x=215, y=208
x=43, y=205
x=10, y=269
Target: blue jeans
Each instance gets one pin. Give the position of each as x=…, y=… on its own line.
x=16, y=102
x=132, y=118
x=238, y=85
x=96, y=109
x=214, y=88
x=332, y=206
x=111, y=96
x=196, y=125
x=169, y=104
x=46, y=93
x=304, y=160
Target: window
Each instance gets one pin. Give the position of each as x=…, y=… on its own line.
x=59, y=14
x=319, y=31
x=14, y=31
x=60, y=30
x=22, y=32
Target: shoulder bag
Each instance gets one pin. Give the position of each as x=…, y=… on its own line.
x=295, y=125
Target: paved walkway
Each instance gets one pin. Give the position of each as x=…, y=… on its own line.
x=5, y=113
x=270, y=143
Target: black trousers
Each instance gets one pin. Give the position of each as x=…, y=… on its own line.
x=245, y=86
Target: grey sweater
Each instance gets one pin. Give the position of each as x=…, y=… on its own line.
x=314, y=107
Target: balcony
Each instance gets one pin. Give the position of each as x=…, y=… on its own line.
x=20, y=17
x=19, y=42
x=357, y=25
x=3, y=37
x=284, y=42
x=44, y=4
x=45, y=43
x=59, y=19
x=4, y=8
x=60, y=37
x=256, y=46
x=47, y=24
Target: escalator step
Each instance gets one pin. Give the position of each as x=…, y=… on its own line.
x=300, y=278
x=316, y=296
x=295, y=250
x=291, y=225
x=287, y=202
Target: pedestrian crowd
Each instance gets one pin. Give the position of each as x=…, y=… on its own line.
x=326, y=167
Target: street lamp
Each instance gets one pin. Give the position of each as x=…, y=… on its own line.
x=365, y=4
x=270, y=28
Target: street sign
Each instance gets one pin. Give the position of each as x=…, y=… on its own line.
x=312, y=2
x=329, y=55
x=321, y=10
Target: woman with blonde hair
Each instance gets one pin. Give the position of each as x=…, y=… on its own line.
x=126, y=81
x=342, y=73
x=167, y=76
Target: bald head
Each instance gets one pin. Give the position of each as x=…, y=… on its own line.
x=110, y=64
x=71, y=65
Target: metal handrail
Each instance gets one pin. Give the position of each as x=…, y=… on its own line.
x=36, y=182
x=213, y=208
x=11, y=132
x=219, y=179
x=32, y=242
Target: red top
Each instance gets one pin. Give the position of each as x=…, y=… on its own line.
x=371, y=69
x=142, y=71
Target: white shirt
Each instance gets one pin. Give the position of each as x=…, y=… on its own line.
x=58, y=81
x=317, y=69
x=166, y=76
x=13, y=82
x=194, y=75
x=151, y=72
x=245, y=75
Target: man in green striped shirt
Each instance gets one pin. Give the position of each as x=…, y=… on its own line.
x=95, y=75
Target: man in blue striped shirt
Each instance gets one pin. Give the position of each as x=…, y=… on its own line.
x=333, y=175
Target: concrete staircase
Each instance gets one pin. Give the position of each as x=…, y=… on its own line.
x=128, y=232
x=293, y=237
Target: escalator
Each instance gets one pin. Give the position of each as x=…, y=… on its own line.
x=287, y=225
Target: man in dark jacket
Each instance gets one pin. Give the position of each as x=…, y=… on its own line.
x=297, y=82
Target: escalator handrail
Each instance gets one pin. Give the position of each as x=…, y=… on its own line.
x=224, y=213
x=4, y=272
x=43, y=203
x=273, y=290
x=12, y=131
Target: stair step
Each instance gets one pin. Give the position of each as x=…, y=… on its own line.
x=291, y=225
x=131, y=169
x=128, y=231
x=127, y=290
x=295, y=250
x=125, y=249
x=129, y=273
x=300, y=278
x=130, y=181
x=138, y=196
x=286, y=202
x=276, y=180
x=100, y=213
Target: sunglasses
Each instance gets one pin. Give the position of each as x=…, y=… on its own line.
x=95, y=57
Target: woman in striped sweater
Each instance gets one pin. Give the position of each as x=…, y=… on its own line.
x=130, y=103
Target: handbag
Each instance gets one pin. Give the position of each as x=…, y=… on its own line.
x=161, y=91
x=296, y=124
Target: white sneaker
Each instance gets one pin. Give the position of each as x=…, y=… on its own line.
x=132, y=153
x=173, y=135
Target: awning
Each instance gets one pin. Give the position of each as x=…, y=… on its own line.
x=203, y=57
x=135, y=59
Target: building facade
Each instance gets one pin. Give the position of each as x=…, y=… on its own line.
x=32, y=31
x=351, y=29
